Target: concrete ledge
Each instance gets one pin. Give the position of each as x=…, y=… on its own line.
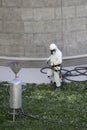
x=75, y=60
x=41, y=62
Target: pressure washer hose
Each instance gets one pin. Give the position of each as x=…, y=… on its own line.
x=76, y=71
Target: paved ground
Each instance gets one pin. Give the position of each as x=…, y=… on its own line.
x=27, y=75
x=31, y=75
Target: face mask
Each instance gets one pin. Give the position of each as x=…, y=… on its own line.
x=52, y=52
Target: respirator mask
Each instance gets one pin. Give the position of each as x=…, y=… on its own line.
x=53, y=51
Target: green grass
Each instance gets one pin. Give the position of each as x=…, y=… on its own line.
x=53, y=110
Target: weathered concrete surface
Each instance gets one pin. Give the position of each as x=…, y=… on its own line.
x=27, y=27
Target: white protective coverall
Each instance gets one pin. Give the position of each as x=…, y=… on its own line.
x=55, y=61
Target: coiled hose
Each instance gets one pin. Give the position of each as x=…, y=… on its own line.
x=70, y=75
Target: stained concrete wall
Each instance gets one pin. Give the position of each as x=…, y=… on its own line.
x=27, y=27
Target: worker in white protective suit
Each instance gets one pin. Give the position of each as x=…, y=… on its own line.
x=55, y=65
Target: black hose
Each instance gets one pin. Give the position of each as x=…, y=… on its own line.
x=44, y=68
x=77, y=71
x=51, y=121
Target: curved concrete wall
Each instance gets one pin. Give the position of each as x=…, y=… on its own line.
x=27, y=27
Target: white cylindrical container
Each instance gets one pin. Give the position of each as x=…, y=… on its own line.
x=15, y=91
